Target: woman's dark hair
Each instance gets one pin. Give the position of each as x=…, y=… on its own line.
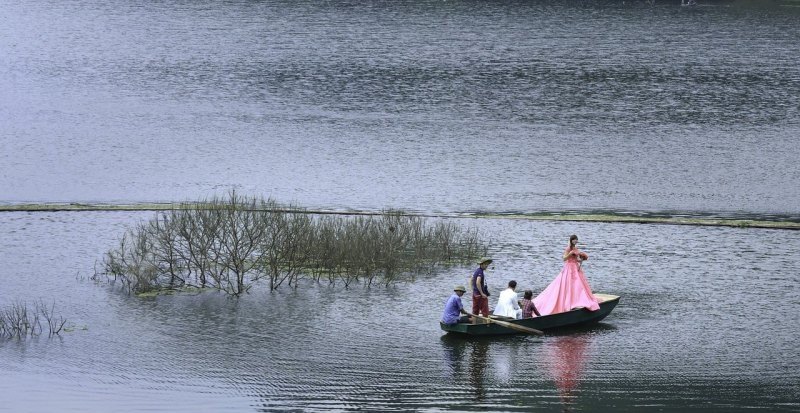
x=572, y=237
x=512, y=284
x=528, y=294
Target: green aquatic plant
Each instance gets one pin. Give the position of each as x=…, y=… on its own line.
x=233, y=243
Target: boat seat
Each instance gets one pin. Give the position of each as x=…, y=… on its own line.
x=604, y=297
x=501, y=317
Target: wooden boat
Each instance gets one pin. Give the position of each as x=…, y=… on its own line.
x=576, y=317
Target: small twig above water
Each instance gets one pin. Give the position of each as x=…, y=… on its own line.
x=19, y=321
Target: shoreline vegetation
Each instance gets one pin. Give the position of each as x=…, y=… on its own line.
x=589, y=216
x=233, y=243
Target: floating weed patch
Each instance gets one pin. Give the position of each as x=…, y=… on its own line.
x=699, y=221
x=545, y=216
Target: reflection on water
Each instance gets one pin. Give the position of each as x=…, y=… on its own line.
x=488, y=362
x=469, y=356
x=479, y=361
x=564, y=360
x=560, y=359
x=477, y=368
x=453, y=350
x=368, y=349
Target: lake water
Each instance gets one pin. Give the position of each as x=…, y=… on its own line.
x=706, y=322
x=423, y=105
x=431, y=106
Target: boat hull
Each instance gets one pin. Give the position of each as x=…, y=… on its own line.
x=576, y=317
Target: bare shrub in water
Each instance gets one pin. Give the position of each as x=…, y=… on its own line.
x=55, y=323
x=20, y=321
x=232, y=243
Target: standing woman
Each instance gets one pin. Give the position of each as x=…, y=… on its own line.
x=570, y=289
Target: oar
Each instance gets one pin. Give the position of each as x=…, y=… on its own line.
x=509, y=325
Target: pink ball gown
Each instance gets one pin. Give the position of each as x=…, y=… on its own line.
x=569, y=290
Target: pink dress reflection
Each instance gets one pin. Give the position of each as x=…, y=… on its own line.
x=565, y=359
x=569, y=290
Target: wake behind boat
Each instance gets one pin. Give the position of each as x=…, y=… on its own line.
x=575, y=317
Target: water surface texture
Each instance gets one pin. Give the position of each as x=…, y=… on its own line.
x=423, y=105
x=431, y=106
x=705, y=323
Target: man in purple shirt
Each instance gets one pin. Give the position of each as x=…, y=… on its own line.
x=454, y=308
x=480, y=293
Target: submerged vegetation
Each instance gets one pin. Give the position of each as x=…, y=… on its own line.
x=21, y=321
x=233, y=243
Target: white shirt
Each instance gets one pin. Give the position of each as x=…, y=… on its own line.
x=507, y=304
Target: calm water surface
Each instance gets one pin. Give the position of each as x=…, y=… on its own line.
x=423, y=105
x=443, y=106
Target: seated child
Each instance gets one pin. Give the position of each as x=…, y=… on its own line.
x=528, y=308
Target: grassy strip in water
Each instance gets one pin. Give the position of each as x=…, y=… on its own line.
x=72, y=206
x=696, y=221
x=581, y=217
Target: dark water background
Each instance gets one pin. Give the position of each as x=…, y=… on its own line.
x=433, y=106
x=423, y=105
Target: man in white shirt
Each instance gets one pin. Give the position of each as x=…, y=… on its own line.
x=507, y=303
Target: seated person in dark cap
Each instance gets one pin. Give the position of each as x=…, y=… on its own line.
x=454, y=308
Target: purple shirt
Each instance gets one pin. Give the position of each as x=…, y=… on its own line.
x=452, y=310
x=475, y=275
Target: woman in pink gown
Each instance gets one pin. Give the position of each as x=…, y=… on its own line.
x=570, y=289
